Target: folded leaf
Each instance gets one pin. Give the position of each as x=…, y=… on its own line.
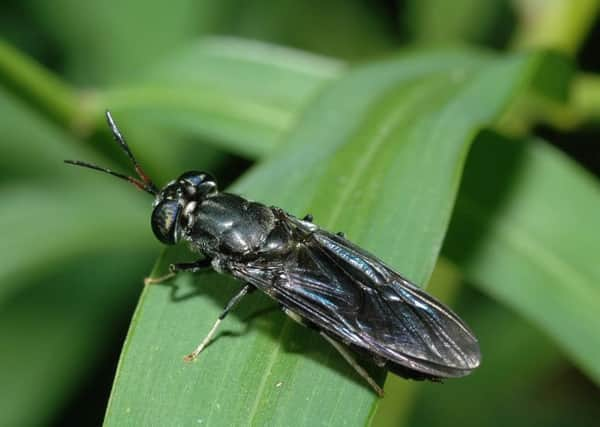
x=379, y=155
x=524, y=230
x=242, y=94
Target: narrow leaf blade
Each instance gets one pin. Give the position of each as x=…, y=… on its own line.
x=410, y=115
x=528, y=215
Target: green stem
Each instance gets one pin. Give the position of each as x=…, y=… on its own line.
x=585, y=96
x=583, y=107
x=557, y=24
x=41, y=88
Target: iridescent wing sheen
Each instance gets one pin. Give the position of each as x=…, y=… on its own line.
x=355, y=298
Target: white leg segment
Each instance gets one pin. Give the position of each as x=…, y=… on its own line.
x=359, y=369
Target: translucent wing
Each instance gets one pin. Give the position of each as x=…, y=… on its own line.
x=355, y=298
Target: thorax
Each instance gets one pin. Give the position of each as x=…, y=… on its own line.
x=230, y=225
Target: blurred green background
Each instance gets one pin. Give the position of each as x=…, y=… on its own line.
x=220, y=86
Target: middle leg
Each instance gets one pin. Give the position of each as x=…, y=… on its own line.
x=230, y=305
x=192, y=267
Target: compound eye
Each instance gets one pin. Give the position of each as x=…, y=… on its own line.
x=164, y=221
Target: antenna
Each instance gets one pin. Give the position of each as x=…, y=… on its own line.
x=144, y=183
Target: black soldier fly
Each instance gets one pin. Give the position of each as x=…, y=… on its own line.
x=319, y=278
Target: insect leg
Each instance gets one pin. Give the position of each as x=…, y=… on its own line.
x=192, y=267
x=230, y=305
x=340, y=348
x=350, y=359
x=298, y=319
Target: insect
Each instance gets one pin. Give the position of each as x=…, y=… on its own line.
x=320, y=279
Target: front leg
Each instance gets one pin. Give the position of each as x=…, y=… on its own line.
x=192, y=267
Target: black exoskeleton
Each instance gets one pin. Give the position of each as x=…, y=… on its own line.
x=319, y=278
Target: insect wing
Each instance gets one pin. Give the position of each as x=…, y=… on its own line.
x=357, y=299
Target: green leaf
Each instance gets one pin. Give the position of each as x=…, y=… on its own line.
x=524, y=231
x=398, y=405
x=112, y=41
x=378, y=156
x=242, y=93
x=42, y=194
x=58, y=326
x=441, y=21
x=71, y=249
x=38, y=85
x=517, y=381
x=560, y=25
x=349, y=29
x=73, y=219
